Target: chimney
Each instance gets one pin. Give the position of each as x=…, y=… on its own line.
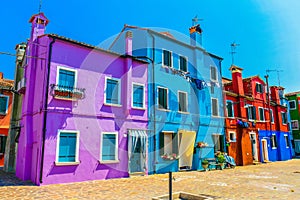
x=196, y=35
x=1, y=75
x=128, y=43
x=275, y=94
x=20, y=52
x=237, y=80
x=39, y=23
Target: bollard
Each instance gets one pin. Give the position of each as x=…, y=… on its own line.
x=170, y=185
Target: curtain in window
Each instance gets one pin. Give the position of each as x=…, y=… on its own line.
x=132, y=143
x=182, y=102
x=186, y=147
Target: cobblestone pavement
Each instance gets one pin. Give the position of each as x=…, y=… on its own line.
x=278, y=180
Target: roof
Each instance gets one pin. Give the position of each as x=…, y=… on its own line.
x=251, y=77
x=41, y=15
x=91, y=46
x=167, y=35
x=6, y=83
x=292, y=93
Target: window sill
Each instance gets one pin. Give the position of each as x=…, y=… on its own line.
x=3, y=113
x=232, y=140
x=66, y=99
x=1, y=154
x=113, y=105
x=138, y=108
x=66, y=163
x=109, y=161
x=182, y=112
x=166, y=66
x=162, y=109
x=274, y=147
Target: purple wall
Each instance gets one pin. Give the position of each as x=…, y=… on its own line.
x=89, y=116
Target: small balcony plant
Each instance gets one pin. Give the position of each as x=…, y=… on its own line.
x=172, y=156
x=202, y=144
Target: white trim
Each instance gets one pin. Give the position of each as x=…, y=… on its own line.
x=272, y=116
x=76, y=150
x=157, y=103
x=230, y=132
x=186, y=101
x=162, y=59
x=286, y=140
x=7, y=103
x=292, y=124
x=218, y=114
x=232, y=109
x=258, y=83
x=282, y=118
x=119, y=91
x=263, y=114
x=67, y=69
x=144, y=103
x=186, y=58
x=116, y=148
x=294, y=103
x=212, y=66
x=271, y=141
x=266, y=149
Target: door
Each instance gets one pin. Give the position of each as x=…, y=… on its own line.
x=254, y=146
x=186, y=143
x=265, y=150
x=135, y=162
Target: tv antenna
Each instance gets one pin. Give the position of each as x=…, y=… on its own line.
x=233, y=51
x=40, y=6
x=195, y=20
x=277, y=71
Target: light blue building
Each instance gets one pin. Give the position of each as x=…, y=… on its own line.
x=185, y=102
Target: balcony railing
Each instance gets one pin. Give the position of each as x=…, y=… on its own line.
x=65, y=92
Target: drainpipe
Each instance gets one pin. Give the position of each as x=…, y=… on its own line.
x=45, y=109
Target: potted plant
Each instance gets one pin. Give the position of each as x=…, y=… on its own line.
x=221, y=160
x=202, y=144
x=204, y=164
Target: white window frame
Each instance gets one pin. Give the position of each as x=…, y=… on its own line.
x=218, y=114
x=262, y=88
x=215, y=80
x=76, y=150
x=297, y=124
x=138, y=84
x=162, y=59
x=179, y=67
x=272, y=116
x=119, y=91
x=282, y=118
x=234, y=136
x=232, y=109
x=7, y=103
x=264, y=117
x=271, y=141
x=116, y=148
x=186, y=101
x=252, y=119
x=294, y=103
x=168, y=147
x=67, y=69
x=158, y=98
x=286, y=138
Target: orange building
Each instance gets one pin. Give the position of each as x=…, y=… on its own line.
x=256, y=127
x=6, y=97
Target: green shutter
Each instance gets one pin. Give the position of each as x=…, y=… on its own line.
x=161, y=143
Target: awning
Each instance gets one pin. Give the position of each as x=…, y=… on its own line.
x=137, y=133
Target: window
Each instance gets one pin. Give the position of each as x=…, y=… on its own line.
x=213, y=73
x=284, y=117
x=287, y=142
x=138, y=95
x=112, y=91
x=3, y=104
x=259, y=88
x=292, y=104
x=68, y=146
x=217, y=140
x=167, y=58
x=162, y=98
x=183, y=63
x=273, y=141
x=109, y=147
x=261, y=114
x=272, y=116
x=214, y=107
x=66, y=78
x=168, y=143
x=251, y=112
x=182, y=101
x=2, y=143
x=232, y=136
x=229, y=108
x=295, y=125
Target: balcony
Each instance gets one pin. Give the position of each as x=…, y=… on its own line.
x=21, y=86
x=67, y=93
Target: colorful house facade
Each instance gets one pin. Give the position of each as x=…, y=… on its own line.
x=256, y=127
x=294, y=104
x=84, y=113
x=6, y=97
x=185, y=97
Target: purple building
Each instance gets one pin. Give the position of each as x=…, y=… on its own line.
x=84, y=113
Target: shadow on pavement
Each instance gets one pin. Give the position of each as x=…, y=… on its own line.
x=9, y=179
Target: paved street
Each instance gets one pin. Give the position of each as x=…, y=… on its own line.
x=278, y=180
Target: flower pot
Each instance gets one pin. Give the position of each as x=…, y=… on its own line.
x=205, y=166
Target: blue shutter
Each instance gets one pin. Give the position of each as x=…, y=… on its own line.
x=66, y=79
x=67, y=147
x=109, y=147
x=112, y=91
x=138, y=96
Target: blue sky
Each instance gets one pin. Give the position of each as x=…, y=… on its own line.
x=267, y=30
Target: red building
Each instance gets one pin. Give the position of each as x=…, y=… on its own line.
x=256, y=129
x=5, y=111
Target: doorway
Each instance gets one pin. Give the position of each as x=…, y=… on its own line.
x=186, y=142
x=254, y=145
x=265, y=150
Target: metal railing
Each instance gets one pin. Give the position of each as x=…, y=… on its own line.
x=66, y=92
